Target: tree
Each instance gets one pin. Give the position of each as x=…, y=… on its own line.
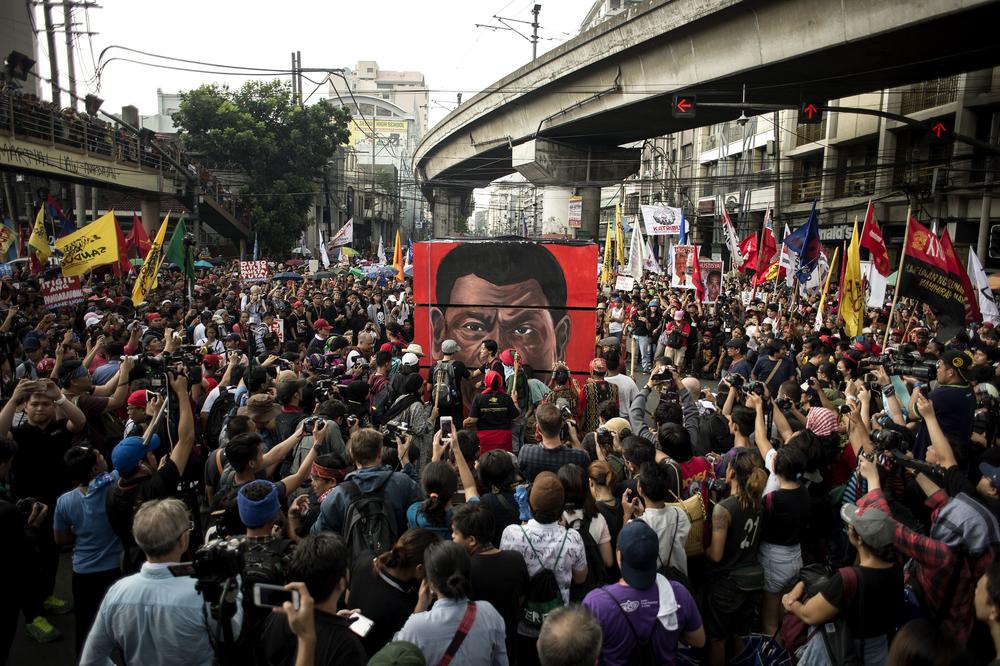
x=282, y=149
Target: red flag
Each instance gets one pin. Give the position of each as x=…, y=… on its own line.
x=768, y=245
x=929, y=276
x=872, y=240
x=138, y=238
x=748, y=249
x=123, y=265
x=699, y=286
x=955, y=267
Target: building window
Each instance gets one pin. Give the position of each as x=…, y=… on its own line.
x=928, y=94
x=806, y=178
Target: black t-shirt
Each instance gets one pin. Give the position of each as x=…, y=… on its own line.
x=742, y=538
x=286, y=423
x=955, y=407
x=495, y=411
x=336, y=644
x=382, y=599
x=504, y=510
x=39, y=470
x=126, y=495
x=875, y=607
x=501, y=579
x=807, y=372
x=786, y=515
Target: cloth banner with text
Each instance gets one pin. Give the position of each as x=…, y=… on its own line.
x=253, y=271
x=662, y=220
x=94, y=245
x=61, y=291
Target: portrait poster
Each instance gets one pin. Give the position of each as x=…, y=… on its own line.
x=574, y=217
x=539, y=297
x=711, y=272
x=682, y=266
x=661, y=220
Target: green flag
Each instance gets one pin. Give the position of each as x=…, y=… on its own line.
x=175, y=252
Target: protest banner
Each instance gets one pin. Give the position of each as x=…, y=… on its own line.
x=574, y=217
x=278, y=328
x=62, y=291
x=662, y=220
x=253, y=271
x=624, y=283
x=94, y=245
x=681, y=266
x=711, y=273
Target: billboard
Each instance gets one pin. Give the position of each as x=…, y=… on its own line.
x=388, y=131
x=538, y=297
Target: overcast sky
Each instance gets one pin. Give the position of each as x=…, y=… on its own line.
x=435, y=37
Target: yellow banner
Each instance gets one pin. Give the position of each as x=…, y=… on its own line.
x=151, y=266
x=39, y=239
x=606, y=274
x=852, y=301
x=94, y=245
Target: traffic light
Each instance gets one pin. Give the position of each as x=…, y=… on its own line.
x=683, y=106
x=942, y=128
x=17, y=66
x=994, y=249
x=810, y=113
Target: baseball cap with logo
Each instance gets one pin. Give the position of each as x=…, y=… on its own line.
x=959, y=360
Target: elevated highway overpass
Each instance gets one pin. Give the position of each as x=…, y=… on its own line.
x=561, y=119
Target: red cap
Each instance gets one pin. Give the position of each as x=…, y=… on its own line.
x=297, y=304
x=137, y=399
x=320, y=324
x=151, y=316
x=507, y=357
x=598, y=366
x=386, y=347
x=211, y=360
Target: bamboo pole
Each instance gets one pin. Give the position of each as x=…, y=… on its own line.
x=899, y=276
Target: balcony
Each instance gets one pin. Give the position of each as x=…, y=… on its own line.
x=804, y=191
x=805, y=134
x=856, y=183
x=928, y=94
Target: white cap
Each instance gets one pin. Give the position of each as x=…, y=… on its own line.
x=410, y=358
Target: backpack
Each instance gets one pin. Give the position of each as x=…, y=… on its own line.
x=595, y=563
x=225, y=508
x=714, y=436
x=445, y=392
x=369, y=522
x=380, y=404
x=835, y=634
x=642, y=652
x=218, y=416
x=543, y=595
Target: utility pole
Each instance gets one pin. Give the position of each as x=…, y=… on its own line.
x=534, y=31
x=298, y=75
x=295, y=77
x=79, y=192
x=50, y=35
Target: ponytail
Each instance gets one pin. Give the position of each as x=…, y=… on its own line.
x=407, y=552
x=748, y=470
x=440, y=484
x=601, y=474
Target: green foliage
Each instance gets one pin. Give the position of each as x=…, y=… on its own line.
x=280, y=147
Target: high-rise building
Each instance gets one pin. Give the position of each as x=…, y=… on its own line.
x=405, y=89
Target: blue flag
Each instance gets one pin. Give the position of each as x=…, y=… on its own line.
x=256, y=248
x=409, y=252
x=804, y=242
x=683, y=234
x=56, y=213
x=12, y=250
x=524, y=224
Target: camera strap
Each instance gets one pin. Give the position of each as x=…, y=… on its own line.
x=770, y=375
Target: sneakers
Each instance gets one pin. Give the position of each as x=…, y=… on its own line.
x=57, y=606
x=41, y=631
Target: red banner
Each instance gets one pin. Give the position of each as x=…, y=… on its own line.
x=62, y=291
x=538, y=297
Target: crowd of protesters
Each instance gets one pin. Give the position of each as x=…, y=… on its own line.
x=290, y=440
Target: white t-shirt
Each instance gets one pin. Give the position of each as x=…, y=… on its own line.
x=615, y=327
x=773, y=482
x=547, y=540
x=210, y=399
x=664, y=521
x=598, y=525
x=627, y=390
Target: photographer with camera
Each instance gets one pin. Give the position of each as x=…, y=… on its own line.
x=953, y=399
x=552, y=453
x=141, y=478
x=153, y=617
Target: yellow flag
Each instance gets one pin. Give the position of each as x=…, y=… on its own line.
x=151, y=266
x=606, y=275
x=39, y=239
x=397, y=259
x=94, y=245
x=852, y=307
x=619, y=238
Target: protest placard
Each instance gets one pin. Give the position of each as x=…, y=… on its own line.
x=253, y=271
x=62, y=291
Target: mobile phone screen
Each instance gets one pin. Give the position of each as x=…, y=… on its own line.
x=361, y=624
x=446, y=427
x=273, y=596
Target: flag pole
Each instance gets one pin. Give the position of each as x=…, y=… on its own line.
x=899, y=276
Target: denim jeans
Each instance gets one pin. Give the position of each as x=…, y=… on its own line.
x=643, y=343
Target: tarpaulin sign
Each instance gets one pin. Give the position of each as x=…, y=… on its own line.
x=62, y=291
x=538, y=297
x=253, y=271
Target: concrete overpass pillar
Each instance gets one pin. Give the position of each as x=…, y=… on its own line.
x=555, y=209
x=591, y=211
x=450, y=210
x=150, y=216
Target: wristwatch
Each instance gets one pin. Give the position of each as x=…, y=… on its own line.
x=888, y=390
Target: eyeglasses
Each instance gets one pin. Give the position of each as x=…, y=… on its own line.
x=190, y=528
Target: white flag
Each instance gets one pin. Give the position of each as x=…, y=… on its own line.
x=635, y=252
x=987, y=304
x=322, y=251
x=381, y=252
x=731, y=240
x=344, y=235
x=650, y=264
x=789, y=260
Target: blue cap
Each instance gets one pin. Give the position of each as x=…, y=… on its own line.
x=654, y=304
x=640, y=549
x=129, y=452
x=992, y=473
x=258, y=513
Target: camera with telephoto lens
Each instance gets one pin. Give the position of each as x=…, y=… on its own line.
x=783, y=404
x=889, y=439
x=736, y=381
x=309, y=424
x=925, y=370
x=326, y=389
x=882, y=359
x=218, y=559
x=25, y=505
x=392, y=430
x=565, y=411
x=758, y=387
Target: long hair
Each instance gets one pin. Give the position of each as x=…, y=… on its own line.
x=407, y=552
x=748, y=470
x=440, y=482
x=577, y=490
x=601, y=474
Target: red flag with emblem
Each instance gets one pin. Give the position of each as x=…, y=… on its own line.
x=873, y=241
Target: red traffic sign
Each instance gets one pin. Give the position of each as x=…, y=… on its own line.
x=941, y=128
x=683, y=106
x=810, y=113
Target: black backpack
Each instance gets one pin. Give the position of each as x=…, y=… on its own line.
x=642, y=652
x=265, y=563
x=445, y=392
x=381, y=402
x=543, y=595
x=225, y=507
x=595, y=563
x=223, y=408
x=369, y=522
